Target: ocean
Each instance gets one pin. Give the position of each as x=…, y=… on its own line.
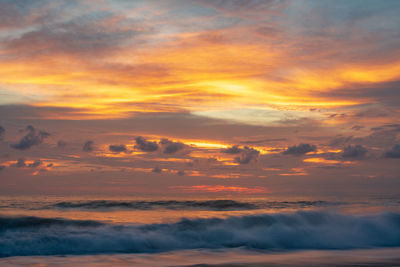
x=132, y=231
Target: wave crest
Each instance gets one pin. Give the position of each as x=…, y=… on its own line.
x=301, y=230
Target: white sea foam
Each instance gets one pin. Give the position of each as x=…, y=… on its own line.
x=301, y=230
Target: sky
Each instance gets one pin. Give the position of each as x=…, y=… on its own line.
x=205, y=97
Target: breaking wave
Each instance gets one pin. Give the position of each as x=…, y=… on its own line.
x=301, y=230
x=189, y=204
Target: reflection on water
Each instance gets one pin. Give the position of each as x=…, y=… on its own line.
x=156, y=210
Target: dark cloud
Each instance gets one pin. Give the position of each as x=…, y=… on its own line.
x=84, y=35
x=181, y=173
x=33, y=137
x=61, y=144
x=247, y=155
x=171, y=147
x=376, y=128
x=156, y=169
x=22, y=164
x=2, y=167
x=88, y=146
x=389, y=127
x=17, y=13
x=300, y=149
x=394, y=126
x=117, y=148
x=35, y=164
x=337, y=115
x=232, y=150
x=357, y=127
x=394, y=152
x=21, y=112
x=241, y=7
x=386, y=92
x=144, y=145
x=2, y=132
x=356, y=151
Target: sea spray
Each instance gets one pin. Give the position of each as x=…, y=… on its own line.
x=300, y=230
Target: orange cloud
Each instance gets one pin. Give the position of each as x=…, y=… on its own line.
x=221, y=188
x=186, y=72
x=326, y=161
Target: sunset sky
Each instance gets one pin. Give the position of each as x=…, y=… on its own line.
x=214, y=97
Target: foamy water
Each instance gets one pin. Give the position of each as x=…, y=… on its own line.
x=97, y=227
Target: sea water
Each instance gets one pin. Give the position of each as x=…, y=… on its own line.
x=165, y=231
